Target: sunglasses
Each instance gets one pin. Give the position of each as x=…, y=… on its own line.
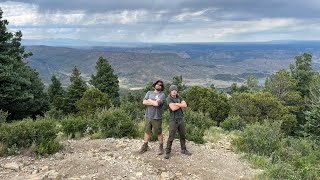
x=160, y=84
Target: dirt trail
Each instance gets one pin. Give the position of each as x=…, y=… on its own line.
x=118, y=159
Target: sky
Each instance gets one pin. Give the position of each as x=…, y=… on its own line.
x=164, y=20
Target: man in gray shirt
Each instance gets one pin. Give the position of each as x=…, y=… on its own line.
x=154, y=101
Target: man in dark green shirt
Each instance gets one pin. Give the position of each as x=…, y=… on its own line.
x=176, y=122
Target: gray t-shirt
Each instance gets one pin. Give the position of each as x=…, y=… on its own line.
x=153, y=112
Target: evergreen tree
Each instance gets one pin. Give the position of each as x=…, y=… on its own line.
x=314, y=92
x=252, y=83
x=312, y=124
x=302, y=72
x=177, y=80
x=284, y=88
x=21, y=90
x=234, y=88
x=56, y=93
x=106, y=81
x=75, y=91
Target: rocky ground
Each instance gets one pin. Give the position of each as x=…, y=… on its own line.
x=118, y=159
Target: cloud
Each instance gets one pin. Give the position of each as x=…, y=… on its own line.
x=163, y=20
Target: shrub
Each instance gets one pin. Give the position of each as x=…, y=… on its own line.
x=208, y=101
x=116, y=123
x=233, y=123
x=54, y=114
x=48, y=147
x=260, y=139
x=257, y=161
x=3, y=116
x=72, y=125
x=303, y=154
x=196, y=124
x=3, y=149
x=281, y=171
x=23, y=134
x=214, y=134
x=92, y=100
x=258, y=107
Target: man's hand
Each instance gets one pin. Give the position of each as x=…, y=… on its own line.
x=150, y=102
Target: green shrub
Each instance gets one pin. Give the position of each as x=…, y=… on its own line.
x=260, y=139
x=257, y=161
x=285, y=170
x=116, y=123
x=48, y=147
x=303, y=154
x=24, y=134
x=54, y=114
x=92, y=100
x=214, y=134
x=3, y=149
x=209, y=101
x=196, y=124
x=233, y=123
x=13, y=150
x=72, y=125
x=281, y=171
x=3, y=116
x=258, y=107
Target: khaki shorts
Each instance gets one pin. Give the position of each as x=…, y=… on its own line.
x=154, y=125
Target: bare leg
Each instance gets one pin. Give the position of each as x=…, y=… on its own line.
x=160, y=138
x=147, y=137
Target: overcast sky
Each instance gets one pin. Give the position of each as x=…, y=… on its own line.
x=165, y=20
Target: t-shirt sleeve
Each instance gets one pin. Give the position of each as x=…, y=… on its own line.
x=146, y=96
x=169, y=100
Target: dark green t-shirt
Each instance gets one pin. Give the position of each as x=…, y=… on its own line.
x=177, y=114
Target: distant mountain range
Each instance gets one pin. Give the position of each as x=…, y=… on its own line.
x=199, y=63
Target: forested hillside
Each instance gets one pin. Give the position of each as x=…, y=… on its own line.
x=199, y=64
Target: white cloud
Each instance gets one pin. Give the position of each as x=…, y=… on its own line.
x=191, y=16
x=165, y=25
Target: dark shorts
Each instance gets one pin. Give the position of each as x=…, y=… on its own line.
x=154, y=125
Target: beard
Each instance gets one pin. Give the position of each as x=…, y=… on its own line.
x=159, y=88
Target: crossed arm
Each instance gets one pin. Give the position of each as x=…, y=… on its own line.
x=176, y=106
x=150, y=102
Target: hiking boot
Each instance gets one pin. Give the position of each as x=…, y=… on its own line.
x=161, y=151
x=167, y=156
x=186, y=152
x=144, y=148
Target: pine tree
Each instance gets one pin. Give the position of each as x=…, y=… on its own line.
x=75, y=91
x=106, y=81
x=21, y=90
x=303, y=73
x=56, y=93
x=177, y=80
x=283, y=87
